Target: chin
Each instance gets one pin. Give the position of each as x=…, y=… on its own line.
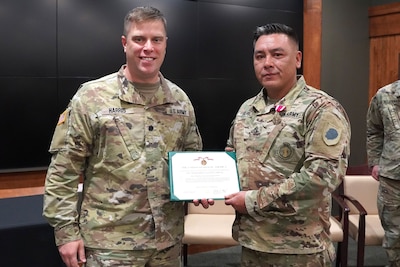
x=270, y=84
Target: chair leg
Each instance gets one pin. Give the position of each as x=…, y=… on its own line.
x=339, y=255
x=344, y=254
x=360, y=254
x=184, y=253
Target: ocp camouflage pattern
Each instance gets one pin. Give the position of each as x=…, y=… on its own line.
x=289, y=162
x=121, y=145
x=383, y=131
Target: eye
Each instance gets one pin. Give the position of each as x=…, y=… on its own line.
x=259, y=56
x=158, y=40
x=138, y=39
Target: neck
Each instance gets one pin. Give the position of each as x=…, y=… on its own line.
x=143, y=79
x=279, y=93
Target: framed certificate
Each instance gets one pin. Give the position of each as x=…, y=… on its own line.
x=202, y=174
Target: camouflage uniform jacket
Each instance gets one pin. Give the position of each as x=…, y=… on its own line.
x=121, y=146
x=383, y=131
x=290, y=157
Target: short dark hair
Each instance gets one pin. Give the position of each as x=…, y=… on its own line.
x=143, y=13
x=275, y=28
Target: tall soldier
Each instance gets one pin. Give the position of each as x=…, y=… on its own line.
x=116, y=132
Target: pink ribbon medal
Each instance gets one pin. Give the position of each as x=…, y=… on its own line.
x=280, y=108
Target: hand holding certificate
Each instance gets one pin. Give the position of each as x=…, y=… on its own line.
x=202, y=175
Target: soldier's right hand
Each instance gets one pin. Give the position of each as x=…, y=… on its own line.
x=73, y=253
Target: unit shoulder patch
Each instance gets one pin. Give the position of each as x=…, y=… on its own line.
x=331, y=135
x=328, y=136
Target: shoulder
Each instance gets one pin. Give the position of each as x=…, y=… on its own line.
x=252, y=101
x=176, y=91
x=107, y=80
x=321, y=104
x=317, y=99
x=104, y=85
x=388, y=94
x=392, y=89
x=174, y=87
x=93, y=94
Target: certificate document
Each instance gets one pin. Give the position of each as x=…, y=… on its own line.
x=201, y=174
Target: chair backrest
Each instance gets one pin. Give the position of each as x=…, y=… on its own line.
x=363, y=188
x=362, y=169
x=219, y=207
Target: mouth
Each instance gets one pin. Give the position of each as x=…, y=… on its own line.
x=147, y=58
x=268, y=75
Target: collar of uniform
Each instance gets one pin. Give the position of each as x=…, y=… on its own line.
x=292, y=95
x=259, y=103
x=128, y=94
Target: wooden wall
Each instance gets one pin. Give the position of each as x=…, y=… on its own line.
x=312, y=28
x=31, y=183
x=384, y=34
x=21, y=183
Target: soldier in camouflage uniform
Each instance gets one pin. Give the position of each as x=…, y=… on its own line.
x=383, y=144
x=116, y=133
x=292, y=148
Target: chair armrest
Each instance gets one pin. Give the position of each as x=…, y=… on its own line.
x=360, y=208
x=344, y=213
x=361, y=225
x=344, y=208
x=362, y=212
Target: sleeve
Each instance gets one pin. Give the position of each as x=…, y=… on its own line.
x=327, y=149
x=69, y=152
x=229, y=142
x=375, y=132
x=193, y=140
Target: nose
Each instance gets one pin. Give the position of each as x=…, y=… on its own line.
x=148, y=46
x=268, y=61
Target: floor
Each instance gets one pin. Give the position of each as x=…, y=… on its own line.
x=222, y=256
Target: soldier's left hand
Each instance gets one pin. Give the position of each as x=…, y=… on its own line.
x=204, y=202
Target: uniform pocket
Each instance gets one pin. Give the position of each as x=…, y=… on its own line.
x=121, y=140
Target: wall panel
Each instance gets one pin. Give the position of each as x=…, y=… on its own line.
x=384, y=28
x=54, y=46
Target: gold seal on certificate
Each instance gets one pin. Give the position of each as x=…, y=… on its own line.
x=201, y=174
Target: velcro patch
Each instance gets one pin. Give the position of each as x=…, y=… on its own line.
x=328, y=136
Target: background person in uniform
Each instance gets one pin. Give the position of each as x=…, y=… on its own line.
x=383, y=149
x=116, y=132
x=292, y=148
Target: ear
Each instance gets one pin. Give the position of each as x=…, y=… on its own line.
x=299, y=56
x=123, y=41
